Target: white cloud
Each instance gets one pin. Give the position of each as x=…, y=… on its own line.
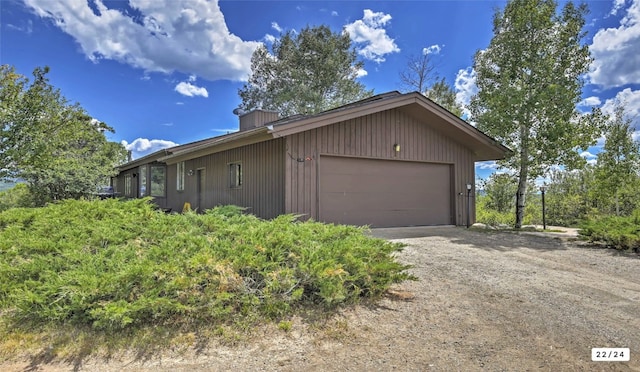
x=225, y=131
x=630, y=99
x=334, y=13
x=615, y=50
x=590, y=101
x=617, y=4
x=465, y=86
x=179, y=103
x=487, y=165
x=587, y=155
x=591, y=158
x=361, y=73
x=369, y=32
x=25, y=27
x=434, y=49
x=142, y=146
x=269, y=38
x=190, y=90
x=168, y=35
x=276, y=26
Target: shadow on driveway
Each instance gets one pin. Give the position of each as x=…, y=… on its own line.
x=483, y=239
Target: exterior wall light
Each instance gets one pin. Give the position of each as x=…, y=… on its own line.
x=190, y=172
x=396, y=147
x=468, y=205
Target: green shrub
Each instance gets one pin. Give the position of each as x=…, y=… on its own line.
x=16, y=197
x=618, y=232
x=113, y=265
x=485, y=214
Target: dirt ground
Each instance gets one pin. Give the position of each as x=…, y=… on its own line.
x=495, y=301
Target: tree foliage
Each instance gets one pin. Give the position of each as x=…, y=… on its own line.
x=529, y=84
x=53, y=145
x=500, y=189
x=569, y=196
x=420, y=75
x=304, y=73
x=618, y=163
x=495, y=206
x=443, y=94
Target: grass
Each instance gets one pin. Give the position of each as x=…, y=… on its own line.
x=105, y=275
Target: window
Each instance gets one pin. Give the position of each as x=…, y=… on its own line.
x=127, y=184
x=235, y=175
x=158, y=177
x=180, y=176
x=142, y=178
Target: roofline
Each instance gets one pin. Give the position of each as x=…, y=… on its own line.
x=250, y=136
x=143, y=160
x=367, y=106
x=465, y=125
x=285, y=127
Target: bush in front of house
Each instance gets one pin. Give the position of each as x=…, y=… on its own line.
x=111, y=265
x=17, y=196
x=622, y=233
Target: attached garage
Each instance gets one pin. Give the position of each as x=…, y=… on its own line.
x=389, y=160
x=384, y=193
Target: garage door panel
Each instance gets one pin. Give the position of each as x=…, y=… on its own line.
x=384, y=192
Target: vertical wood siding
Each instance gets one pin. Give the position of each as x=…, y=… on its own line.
x=373, y=136
x=262, y=191
x=135, y=186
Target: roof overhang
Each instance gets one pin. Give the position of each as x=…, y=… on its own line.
x=219, y=144
x=483, y=146
x=153, y=157
x=415, y=105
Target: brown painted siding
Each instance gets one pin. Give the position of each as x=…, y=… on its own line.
x=263, y=180
x=256, y=119
x=373, y=136
x=119, y=183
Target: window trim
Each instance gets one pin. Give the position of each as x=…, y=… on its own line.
x=164, y=181
x=143, y=173
x=128, y=179
x=180, y=176
x=236, y=179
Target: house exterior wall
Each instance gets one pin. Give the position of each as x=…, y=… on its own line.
x=262, y=189
x=119, y=185
x=373, y=136
x=133, y=177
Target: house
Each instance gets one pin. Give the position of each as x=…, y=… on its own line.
x=389, y=160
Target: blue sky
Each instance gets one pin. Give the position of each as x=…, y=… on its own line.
x=165, y=72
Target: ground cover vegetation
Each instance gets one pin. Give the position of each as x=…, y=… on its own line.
x=112, y=267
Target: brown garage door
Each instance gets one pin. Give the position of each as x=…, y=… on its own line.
x=384, y=193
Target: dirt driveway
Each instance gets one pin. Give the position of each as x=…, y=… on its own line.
x=485, y=301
